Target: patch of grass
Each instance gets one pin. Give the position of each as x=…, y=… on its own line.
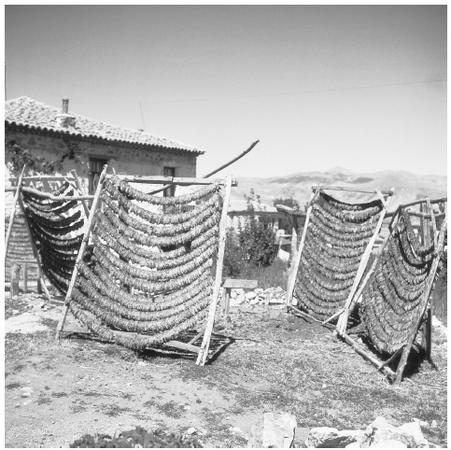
x=43, y=400
x=59, y=394
x=271, y=276
x=113, y=410
x=13, y=386
x=171, y=409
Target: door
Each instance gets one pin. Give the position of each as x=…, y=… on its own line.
x=95, y=169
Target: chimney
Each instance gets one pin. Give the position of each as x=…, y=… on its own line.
x=65, y=109
x=64, y=119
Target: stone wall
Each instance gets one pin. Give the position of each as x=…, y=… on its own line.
x=124, y=159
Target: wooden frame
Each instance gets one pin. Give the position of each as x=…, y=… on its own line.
x=396, y=376
x=344, y=312
x=202, y=351
x=17, y=199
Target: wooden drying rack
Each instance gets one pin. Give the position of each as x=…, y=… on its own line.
x=17, y=189
x=438, y=238
x=206, y=332
x=343, y=313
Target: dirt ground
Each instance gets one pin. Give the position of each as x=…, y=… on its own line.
x=55, y=393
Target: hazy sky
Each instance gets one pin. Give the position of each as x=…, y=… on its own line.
x=361, y=87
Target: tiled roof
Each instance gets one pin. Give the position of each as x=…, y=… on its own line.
x=24, y=111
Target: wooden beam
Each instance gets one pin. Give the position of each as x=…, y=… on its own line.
x=81, y=190
x=297, y=258
x=182, y=346
x=81, y=251
x=351, y=300
x=13, y=210
x=223, y=166
x=34, y=178
x=366, y=354
x=320, y=187
x=35, y=251
x=181, y=181
x=236, y=283
x=203, y=354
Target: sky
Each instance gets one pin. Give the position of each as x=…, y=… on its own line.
x=357, y=87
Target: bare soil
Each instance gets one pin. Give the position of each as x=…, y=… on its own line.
x=277, y=363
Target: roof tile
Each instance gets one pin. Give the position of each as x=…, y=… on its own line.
x=28, y=112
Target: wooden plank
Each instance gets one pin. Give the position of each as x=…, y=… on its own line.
x=320, y=187
x=236, y=283
x=25, y=277
x=367, y=355
x=203, y=354
x=182, y=346
x=350, y=301
x=15, y=279
x=81, y=251
x=181, y=181
x=36, y=178
x=35, y=251
x=81, y=190
x=13, y=211
x=297, y=257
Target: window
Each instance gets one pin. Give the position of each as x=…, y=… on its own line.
x=95, y=169
x=169, y=172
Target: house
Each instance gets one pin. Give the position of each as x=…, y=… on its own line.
x=72, y=141
x=76, y=142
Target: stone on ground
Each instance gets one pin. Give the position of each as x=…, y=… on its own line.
x=327, y=437
x=273, y=431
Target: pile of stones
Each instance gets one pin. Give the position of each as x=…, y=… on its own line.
x=274, y=296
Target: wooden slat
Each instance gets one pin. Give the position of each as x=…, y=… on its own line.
x=320, y=187
x=81, y=251
x=181, y=181
x=236, y=283
x=203, y=354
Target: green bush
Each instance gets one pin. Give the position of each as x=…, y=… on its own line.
x=234, y=255
x=257, y=241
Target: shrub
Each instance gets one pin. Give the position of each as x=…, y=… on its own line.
x=234, y=255
x=257, y=241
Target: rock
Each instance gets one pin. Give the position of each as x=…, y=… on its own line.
x=254, y=301
x=258, y=290
x=278, y=430
x=412, y=430
x=434, y=424
x=380, y=430
x=191, y=430
x=389, y=443
x=328, y=437
x=250, y=295
x=26, y=394
x=273, y=431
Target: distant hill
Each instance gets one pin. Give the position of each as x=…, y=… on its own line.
x=408, y=186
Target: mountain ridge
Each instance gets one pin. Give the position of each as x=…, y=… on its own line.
x=408, y=186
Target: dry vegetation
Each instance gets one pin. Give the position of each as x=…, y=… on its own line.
x=277, y=363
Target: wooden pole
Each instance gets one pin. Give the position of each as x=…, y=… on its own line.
x=208, y=175
x=13, y=211
x=203, y=353
x=15, y=279
x=35, y=250
x=81, y=251
x=362, y=352
x=81, y=190
x=297, y=257
x=348, y=189
x=343, y=319
x=425, y=301
x=56, y=197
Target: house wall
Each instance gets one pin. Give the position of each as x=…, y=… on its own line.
x=124, y=160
